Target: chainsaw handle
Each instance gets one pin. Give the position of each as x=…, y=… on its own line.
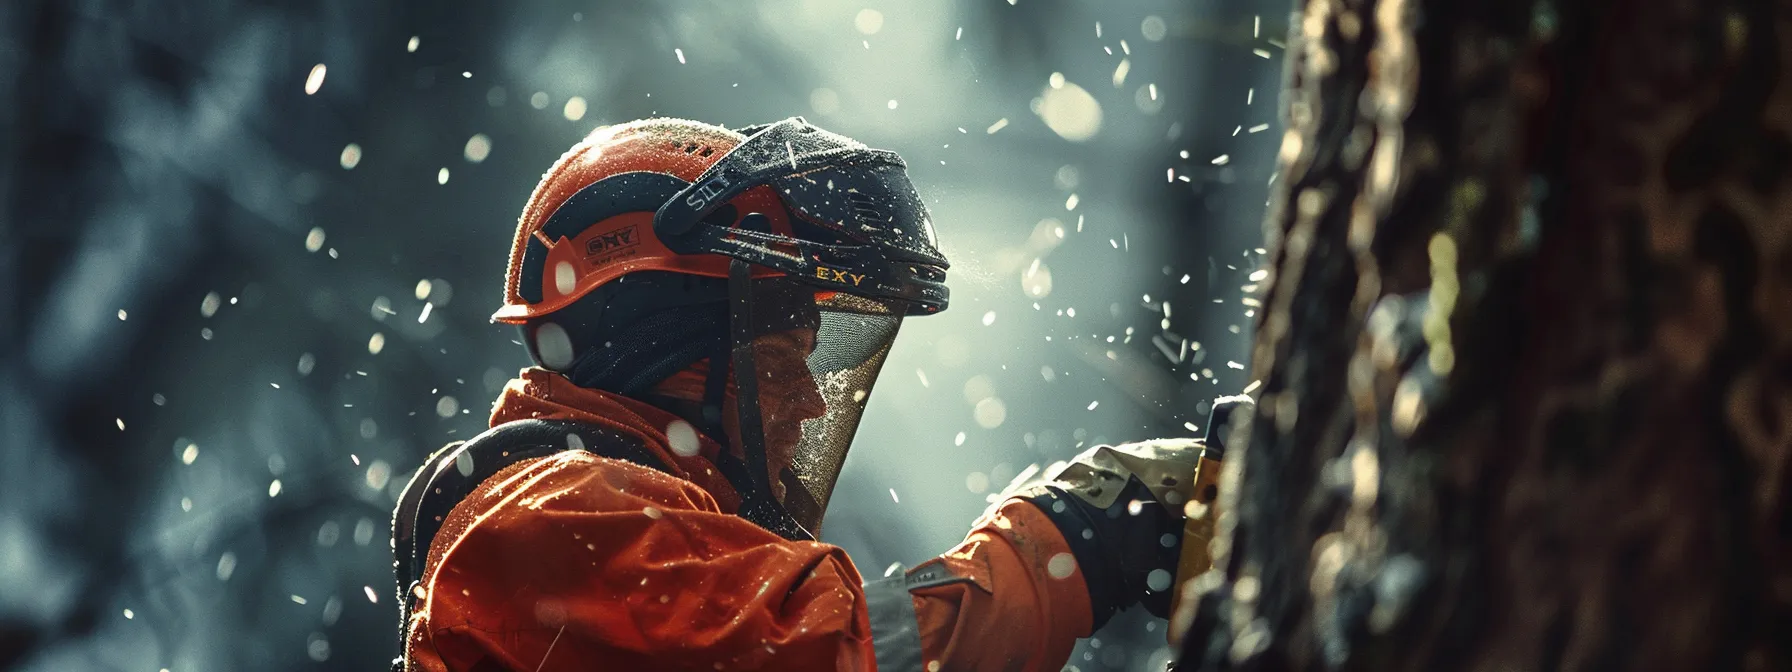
x=1202, y=512
x=1197, y=535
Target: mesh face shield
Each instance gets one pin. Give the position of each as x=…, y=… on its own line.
x=850, y=348
x=812, y=358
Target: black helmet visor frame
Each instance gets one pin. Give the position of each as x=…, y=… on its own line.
x=886, y=247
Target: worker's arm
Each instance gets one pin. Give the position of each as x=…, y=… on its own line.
x=574, y=562
x=1057, y=558
x=1011, y=597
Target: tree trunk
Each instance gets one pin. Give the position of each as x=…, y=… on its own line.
x=1526, y=352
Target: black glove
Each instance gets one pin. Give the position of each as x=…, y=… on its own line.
x=1120, y=508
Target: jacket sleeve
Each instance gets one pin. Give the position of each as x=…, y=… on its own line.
x=574, y=562
x=1011, y=598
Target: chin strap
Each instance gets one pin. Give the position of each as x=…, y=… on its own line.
x=715, y=390
x=750, y=476
x=746, y=378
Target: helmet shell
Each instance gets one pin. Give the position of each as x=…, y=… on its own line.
x=590, y=219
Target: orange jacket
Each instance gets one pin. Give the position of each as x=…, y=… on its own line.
x=578, y=562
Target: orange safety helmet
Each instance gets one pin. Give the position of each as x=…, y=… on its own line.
x=824, y=233
x=648, y=196
x=581, y=253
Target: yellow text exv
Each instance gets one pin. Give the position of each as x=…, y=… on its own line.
x=838, y=275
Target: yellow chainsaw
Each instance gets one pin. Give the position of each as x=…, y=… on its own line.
x=1202, y=511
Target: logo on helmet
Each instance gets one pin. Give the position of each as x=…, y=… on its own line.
x=706, y=192
x=838, y=275
x=614, y=240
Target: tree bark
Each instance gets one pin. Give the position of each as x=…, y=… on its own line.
x=1526, y=352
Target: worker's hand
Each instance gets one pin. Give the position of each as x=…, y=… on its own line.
x=1120, y=508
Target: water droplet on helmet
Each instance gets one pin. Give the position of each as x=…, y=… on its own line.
x=565, y=278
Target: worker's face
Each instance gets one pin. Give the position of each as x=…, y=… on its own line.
x=788, y=395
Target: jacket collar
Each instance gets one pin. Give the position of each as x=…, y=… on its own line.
x=537, y=393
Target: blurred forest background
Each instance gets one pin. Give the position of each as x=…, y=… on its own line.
x=251, y=249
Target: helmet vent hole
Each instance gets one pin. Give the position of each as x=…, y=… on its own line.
x=864, y=208
x=707, y=152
